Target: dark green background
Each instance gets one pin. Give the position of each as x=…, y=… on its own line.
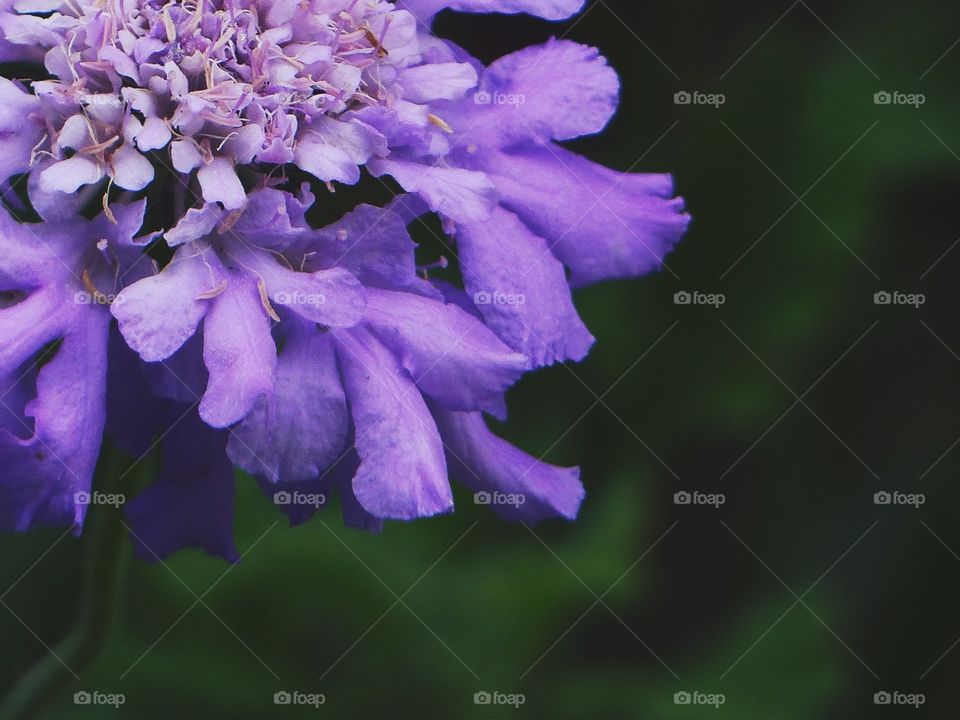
x=796, y=504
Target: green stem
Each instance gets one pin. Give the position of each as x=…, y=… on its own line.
x=104, y=554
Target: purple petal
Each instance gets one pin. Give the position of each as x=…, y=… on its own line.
x=191, y=504
x=600, y=223
x=373, y=244
x=155, y=134
x=26, y=261
x=44, y=473
x=461, y=195
x=19, y=132
x=450, y=354
x=195, y=224
x=245, y=143
x=402, y=473
x=325, y=161
x=219, y=183
x=334, y=150
x=557, y=91
x=521, y=289
x=182, y=377
x=68, y=176
x=517, y=486
x=437, y=81
x=158, y=314
x=185, y=156
x=133, y=412
x=131, y=170
x=28, y=325
x=334, y=297
x=299, y=429
x=238, y=351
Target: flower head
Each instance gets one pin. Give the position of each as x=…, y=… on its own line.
x=170, y=290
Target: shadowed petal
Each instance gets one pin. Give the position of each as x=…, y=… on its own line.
x=300, y=428
x=190, y=505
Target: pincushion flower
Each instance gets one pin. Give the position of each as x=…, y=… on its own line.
x=172, y=291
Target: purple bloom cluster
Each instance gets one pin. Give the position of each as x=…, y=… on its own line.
x=236, y=333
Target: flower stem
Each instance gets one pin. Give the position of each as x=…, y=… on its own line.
x=105, y=553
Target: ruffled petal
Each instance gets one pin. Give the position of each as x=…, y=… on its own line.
x=600, y=223
x=334, y=297
x=521, y=289
x=461, y=195
x=517, y=486
x=402, y=472
x=195, y=224
x=299, y=429
x=46, y=474
x=28, y=325
x=334, y=150
x=182, y=377
x=238, y=351
x=354, y=514
x=134, y=413
x=450, y=354
x=158, y=314
x=556, y=91
x=154, y=135
x=131, y=170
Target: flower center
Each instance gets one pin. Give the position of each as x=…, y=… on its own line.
x=234, y=77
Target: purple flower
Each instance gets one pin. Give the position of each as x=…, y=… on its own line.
x=320, y=360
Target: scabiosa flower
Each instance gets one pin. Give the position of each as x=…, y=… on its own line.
x=170, y=289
